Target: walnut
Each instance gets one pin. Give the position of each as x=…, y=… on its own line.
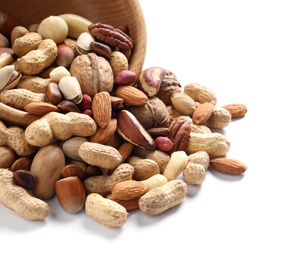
x=169, y=86
x=93, y=72
x=153, y=114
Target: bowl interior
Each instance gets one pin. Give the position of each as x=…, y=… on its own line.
x=118, y=13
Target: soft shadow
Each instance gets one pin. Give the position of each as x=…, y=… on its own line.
x=9, y=219
x=226, y=177
x=193, y=190
x=99, y=229
x=147, y=220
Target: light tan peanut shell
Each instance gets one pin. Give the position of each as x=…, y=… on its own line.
x=101, y=155
x=144, y=168
x=176, y=165
x=161, y=158
x=19, y=98
x=220, y=118
x=37, y=60
x=59, y=126
x=105, y=211
x=19, y=199
x=160, y=199
x=215, y=144
x=103, y=184
x=200, y=93
x=14, y=137
x=195, y=170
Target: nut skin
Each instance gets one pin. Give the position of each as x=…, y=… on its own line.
x=180, y=130
x=132, y=131
x=25, y=179
x=150, y=80
x=65, y=55
x=125, y=77
x=70, y=193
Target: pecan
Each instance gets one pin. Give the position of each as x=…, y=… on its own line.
x=180, y=129
x=111, y=36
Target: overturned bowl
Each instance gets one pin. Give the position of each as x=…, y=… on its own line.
x=118, y=13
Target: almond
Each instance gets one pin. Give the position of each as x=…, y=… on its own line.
x=128, y=190
x=103, y=134
x=236, y=110
x=203, y=112
x=125, y=150
x=228, y=166
x=131, y=95
x=40, y=108
x=101, y=108
x=21, y=163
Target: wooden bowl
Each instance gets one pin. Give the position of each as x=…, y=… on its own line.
x=118, y=13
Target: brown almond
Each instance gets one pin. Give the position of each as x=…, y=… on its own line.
x=203, y=112
x=40, y=108
x=128, y=204
x=21, y=163
x=131, y=95
x=101, y=108
x=103, y=134
x=236, y=110
x=128, y=190
x=228, y=166
x=125, y=150
x=73, y=170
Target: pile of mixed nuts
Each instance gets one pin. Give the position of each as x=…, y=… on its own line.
x=77, y=124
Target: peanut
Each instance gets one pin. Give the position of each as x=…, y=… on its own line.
x=37, y=60
x=144, y=168
x=59, y=126
x=176, y=165
x=101, y=155
x=103, y=184
x=19, y=199
x=195, y=170
x=14, y=137
x=105, y=211
x=215, y=144
x=160, y=199
x=220, y=118
x=19, y=98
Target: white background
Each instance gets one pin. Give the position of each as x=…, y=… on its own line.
x=239, y=49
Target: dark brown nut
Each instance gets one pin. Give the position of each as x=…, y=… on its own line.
x=66, y=106
x=159, y=131
x=53, y=93
x=100, y=49
x=132, y=131
x=65, y=55
x=25, y=178
x=110, y=35
x=150, y=80
x=168, y=87
x=73, y=170
x=153, y=114
x=7, y=23
x=22, y=163
x=180, y=130
x=93, y=73
x=116, y=102
x=3, y=41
